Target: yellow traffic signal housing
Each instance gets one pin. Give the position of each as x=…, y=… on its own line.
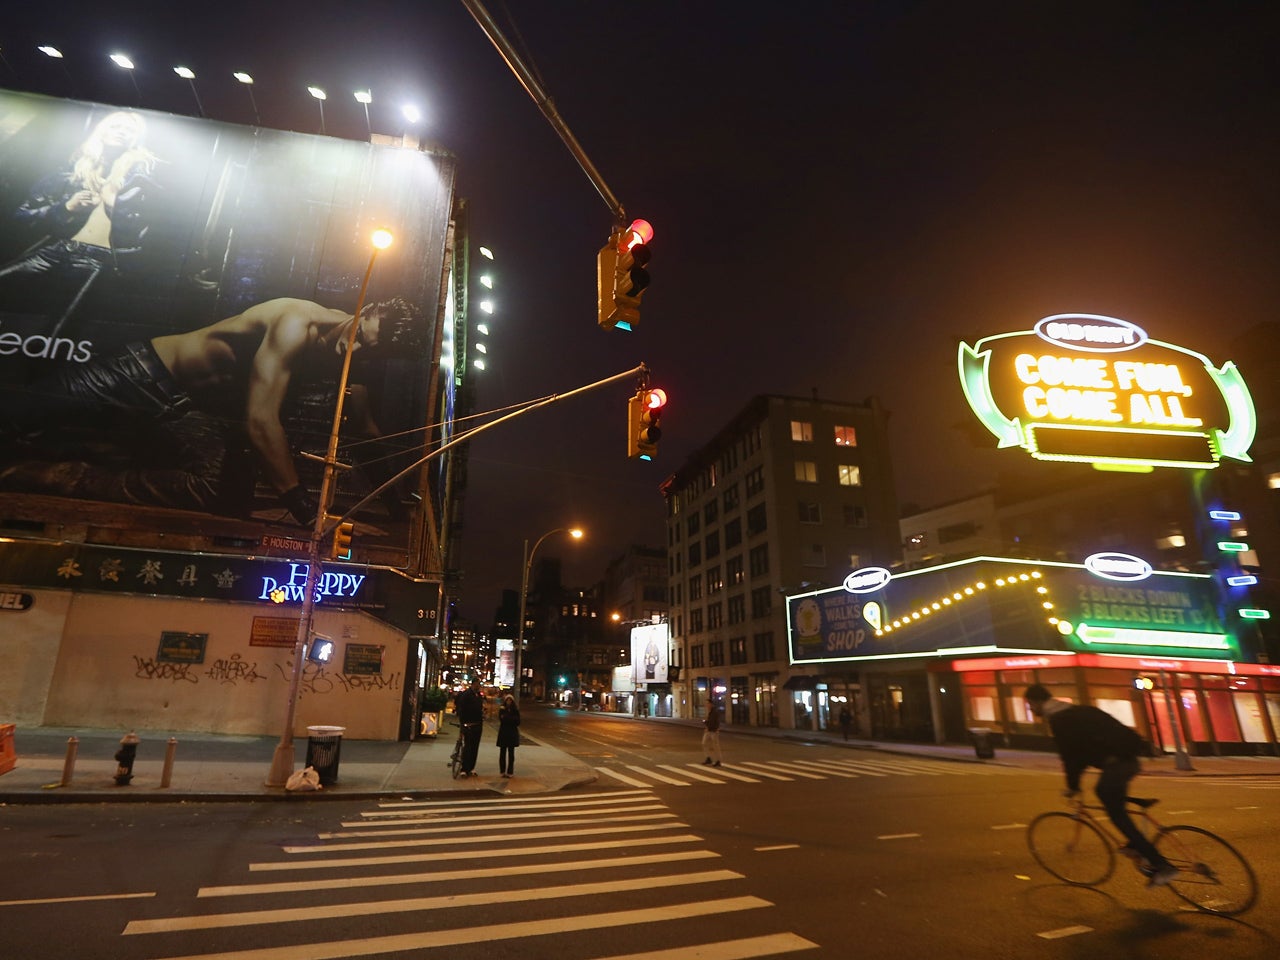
x=621, y=276
x=341, y=549
x=643, y=433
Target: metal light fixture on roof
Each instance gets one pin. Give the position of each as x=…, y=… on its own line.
x=364, y=98
x=486, y=281
x=320, y=99
x=486, y=253
x=51, y=52
x=482, y=329
x=243, y=77
x=486, y=306
x=121, y=61
x=248, y=85
x=187, y=74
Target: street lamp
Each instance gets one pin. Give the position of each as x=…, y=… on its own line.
x=187, y=74
x=574, y=532
x=124, y=63
x=248, y=83
x=364, y=98
x=320, y=96
x=282, y=761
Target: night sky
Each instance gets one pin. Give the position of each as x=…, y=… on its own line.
x=840, y=192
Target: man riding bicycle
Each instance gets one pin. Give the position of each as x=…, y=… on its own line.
x=1089, y=737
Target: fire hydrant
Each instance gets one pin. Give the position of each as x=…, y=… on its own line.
x=124, y=758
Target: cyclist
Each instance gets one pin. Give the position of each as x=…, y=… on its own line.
x=1089, y=737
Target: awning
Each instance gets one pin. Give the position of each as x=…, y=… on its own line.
x=801, y=683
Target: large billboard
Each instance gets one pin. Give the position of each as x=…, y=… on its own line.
x=1097, y=389
x=650, y=643
x=176, y=296
x=1111, y=603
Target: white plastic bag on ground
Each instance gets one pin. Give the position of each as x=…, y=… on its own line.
x=306, y=779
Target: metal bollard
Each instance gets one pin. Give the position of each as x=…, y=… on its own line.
x=69, y=764
x=167, y=773
x=125, y=757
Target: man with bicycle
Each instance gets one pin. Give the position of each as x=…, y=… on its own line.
x=469, y=705
x=1089, y=737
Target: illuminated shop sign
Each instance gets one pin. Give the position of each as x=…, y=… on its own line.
x=867, y=580
x=1114, y=602
x=290, y=588
x=1097, y=389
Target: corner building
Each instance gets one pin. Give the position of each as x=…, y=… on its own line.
x=791, y=494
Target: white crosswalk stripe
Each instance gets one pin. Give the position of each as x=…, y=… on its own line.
x=756, y=771
x=446, y=898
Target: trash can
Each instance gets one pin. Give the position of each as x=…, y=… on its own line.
x=324, y=744
x=983, y=745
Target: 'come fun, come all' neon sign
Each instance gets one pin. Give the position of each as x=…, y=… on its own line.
x=1097, y=389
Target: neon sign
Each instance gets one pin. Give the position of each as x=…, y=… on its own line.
x=1085, y=387
x=329, y=584
x=867, y=580
x=1117, y=566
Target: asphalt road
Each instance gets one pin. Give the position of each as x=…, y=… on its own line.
x=813, y=850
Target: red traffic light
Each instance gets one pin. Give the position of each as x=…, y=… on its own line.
x=655, y=399
x=640, y=232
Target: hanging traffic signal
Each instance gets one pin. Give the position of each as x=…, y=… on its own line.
x=622, y=276
x=341, y=549
x=644, y=410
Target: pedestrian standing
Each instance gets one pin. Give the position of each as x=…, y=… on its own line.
x=846, y=720
x=711, y=735
x=469, y=705
x=508, y=735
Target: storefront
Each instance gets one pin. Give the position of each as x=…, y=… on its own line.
x=944, y=649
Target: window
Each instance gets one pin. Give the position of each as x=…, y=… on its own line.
x=730, y=498
x=846, y=437
x=713, y=544
x=763, y=643
x=815, y=555
x=737, y=609
x=733, y=533
x=695, y=587
x=855, y=515
x=695, y=553
x=806, y=471
x=810, y=512
x=715, y=615
x=916, y=541
x=697, y=656
x=801, y=432
x=715, y=582
x=761, y=602
x=737, y=649
x=849, y=475
x=759, y=560
x=710, y=512
x=693, y=522
x=755, y=481
x=695, y=620
x=715, y=653
x=733, y=570
x=757, y=521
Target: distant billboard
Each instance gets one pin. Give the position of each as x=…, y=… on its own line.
x=649, y=646
x=176, y=295
x=504, y=665
x=1098, y=389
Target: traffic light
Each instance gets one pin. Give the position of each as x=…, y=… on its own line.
x=621, y=276
x=643, y=433
x=341, y=549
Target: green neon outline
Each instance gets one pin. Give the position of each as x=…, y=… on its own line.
x=1088, y=634
x=1254, y=613
x=1233, y=443
x=1121, y=463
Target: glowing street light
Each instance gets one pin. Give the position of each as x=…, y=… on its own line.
x=187, y=74
x=282, y=761
x=320, y=99
x=411, y=113
x=53, y=52
x=248, y=85
x=364, y=98
x=574, y=532
x=124, y=63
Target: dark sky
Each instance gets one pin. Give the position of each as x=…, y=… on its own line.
x=840, y=192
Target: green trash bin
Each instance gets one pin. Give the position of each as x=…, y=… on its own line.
x=324, y=745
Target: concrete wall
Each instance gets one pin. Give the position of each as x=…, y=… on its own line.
x=108, y=673
x=29, y=642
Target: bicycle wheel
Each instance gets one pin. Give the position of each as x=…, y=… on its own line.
x=455, y=761
x=1071, y=848
x=1212, y=875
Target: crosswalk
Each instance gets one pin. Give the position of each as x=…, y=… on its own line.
x=760, y=771
x=416, y=877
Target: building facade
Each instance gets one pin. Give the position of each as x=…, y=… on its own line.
x=791, y=494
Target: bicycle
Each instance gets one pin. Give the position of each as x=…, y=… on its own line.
x=455, y=758
x=1212, y=875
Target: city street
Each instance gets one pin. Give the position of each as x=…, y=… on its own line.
x=819, y=850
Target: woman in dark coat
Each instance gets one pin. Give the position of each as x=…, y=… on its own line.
x=508, y=735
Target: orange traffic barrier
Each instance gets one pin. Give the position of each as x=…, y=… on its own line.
x=8, y=752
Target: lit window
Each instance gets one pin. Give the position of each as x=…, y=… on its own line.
x=1171, y=542
x=846, y=437
x=1273, y=481
x=801, y=432
x=806, y=471
x=850, y=476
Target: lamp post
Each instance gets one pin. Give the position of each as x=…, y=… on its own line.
x=364, y=98
x=187, y=74
x=248, y=84
x=282, y=761
x=124, y=63
x=574, y=532
x=320, y=96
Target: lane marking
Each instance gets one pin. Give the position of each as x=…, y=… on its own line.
x=826, y=768
x=484, y=808
x=1009, y=826
x=722, y=772
x=658, y=776
x=697, y=775
x=371, y=946
x=649, y=803
x=442, y=876
x=492, y=838
x=778, y=846
x=215, y=921
x=434, y=855
x=630, y=781
x=897, y=836
x=764, y=946
x=755, y=769
x=791, y=769
x=861, y=768
x=84, y=899
x=1064, y=932
x=500, y=801
x=395, y=830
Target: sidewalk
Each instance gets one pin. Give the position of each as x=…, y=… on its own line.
x=212, y=767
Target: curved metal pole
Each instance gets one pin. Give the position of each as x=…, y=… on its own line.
x=524, y=593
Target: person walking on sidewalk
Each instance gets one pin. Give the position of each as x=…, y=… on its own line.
x=470, y=708
x=711, y=735
x=1090, y=737
x=508, y=736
